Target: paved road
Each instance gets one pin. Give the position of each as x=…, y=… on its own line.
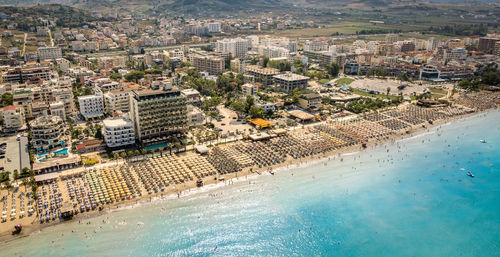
x=50, y=37
x=24, y=45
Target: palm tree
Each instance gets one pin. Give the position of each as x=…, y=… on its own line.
x=7, y=185
x=25, y=183
x=217, y=136
x=161, y=150
x=207, y=134
x=177, y=146
x=170, y=146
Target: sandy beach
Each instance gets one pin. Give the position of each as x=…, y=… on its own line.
x=95, y=191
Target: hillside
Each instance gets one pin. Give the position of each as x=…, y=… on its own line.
x=28, y=16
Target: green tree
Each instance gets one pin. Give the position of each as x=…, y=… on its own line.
x=265, y=60
x=34, y=190
x=249, y=103
x=7, y=99
x=238, y=106
x=115, y=76
x=333, y=69
x=98, y=131
x=134, y=76
x=256, y=112
x=25, y=183
x=177, y=146
x=404, y=77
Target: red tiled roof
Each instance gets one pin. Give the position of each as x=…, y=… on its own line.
x=9, y=108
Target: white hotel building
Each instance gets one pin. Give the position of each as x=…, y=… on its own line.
x=238, y=47
x=91, y=106
x=49, y=53
x=118, y=132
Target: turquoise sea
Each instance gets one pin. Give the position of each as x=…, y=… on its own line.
x=410, y=197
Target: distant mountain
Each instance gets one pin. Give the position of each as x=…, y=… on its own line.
x=217, y=7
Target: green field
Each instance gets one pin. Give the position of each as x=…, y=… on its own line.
x=437, y=92
x=345, y=27
x=344, y=81
x=324, y=81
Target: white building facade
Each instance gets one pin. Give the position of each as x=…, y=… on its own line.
x=91, y=106
x=49, y=53
x=118, y=132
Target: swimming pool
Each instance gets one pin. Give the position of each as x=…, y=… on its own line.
x=62, y=151
x=151, y=147
x=40, y=155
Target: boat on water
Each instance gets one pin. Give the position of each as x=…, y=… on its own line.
x=482, y=141
x=470, y=174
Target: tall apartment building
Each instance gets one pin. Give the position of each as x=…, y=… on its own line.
x=261, y=75
x=316, y=46
x=192, y=96
x=407, y=46
x=48, y=132
x=13, y=118
x=273, y=51
x=118, y=132
x=212, y=64
x=432, y=43
x=487, y=44
x=249, y=89
x=287, y=82
x=57, y=109
x=213, y=27
x=391, y=38
x=238, y=47
x=117, y=100
x=49, y=53
x=91, y=106
x=157, y=114
x=23, y=74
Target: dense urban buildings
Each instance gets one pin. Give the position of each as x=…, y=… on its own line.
x=153, y=99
